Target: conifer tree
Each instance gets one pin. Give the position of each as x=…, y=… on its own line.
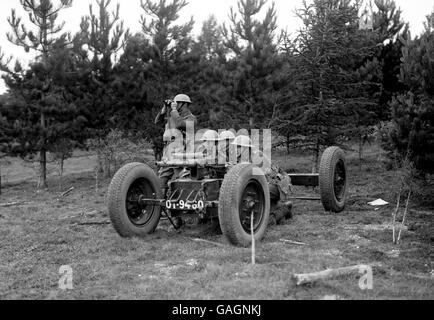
x=255, y=46
x=103, y=35
x=330, y=74
x=209, y=79
x=34, y=87
x=412, y=133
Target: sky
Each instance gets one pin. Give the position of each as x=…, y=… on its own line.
x=414, y=12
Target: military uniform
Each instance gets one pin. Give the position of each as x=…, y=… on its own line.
x=280, y=189
x=174, y=120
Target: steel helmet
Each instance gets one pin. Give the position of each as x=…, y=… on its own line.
x=243, y=141
x=182, y=98
x=210, y=135
x=227, y=135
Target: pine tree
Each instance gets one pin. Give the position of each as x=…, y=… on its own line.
x=391, y=31
x=4, y=136
x=102, y=36
x=412, y=133
x=35, y=86
x=330, y=76
x=138, y=93
x=170, y=40
x=32, y=93
x=255, y=46
x=388, y=21
x=211, y=40
x=208, y=79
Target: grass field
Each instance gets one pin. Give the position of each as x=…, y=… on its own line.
x=39, y=236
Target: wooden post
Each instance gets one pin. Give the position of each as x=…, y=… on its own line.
x=253, y=240
x=405, y=215
x=395, y=215
x=42, y=157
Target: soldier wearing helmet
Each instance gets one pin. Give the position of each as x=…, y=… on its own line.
x=207, y=148
x=278, y=180
x=175, y=115
x=244, y=149
x=226, y=150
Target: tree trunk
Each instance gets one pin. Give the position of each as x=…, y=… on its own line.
x=97, y=172
x=0, y=179
x=251, y=117
x=62, y=163
x=42, y=183
x=100, y=164
x=108, y=171
x=361, y=148
x=251, y=122
x=288, y=146
x=316, y=157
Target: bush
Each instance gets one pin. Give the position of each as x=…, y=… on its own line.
x=116, y=149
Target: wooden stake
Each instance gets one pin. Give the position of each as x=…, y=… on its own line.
x=405, y=215
x=253, y=240
x=396, y=214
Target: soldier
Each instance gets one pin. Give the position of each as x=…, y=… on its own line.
x=175, y=115
x=226, y=152
x=279, y=182
x=207, y=148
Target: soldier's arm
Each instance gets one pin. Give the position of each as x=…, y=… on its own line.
x=160, y=117
x=181, y=122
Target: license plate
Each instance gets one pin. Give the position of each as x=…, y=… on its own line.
x=182, y=205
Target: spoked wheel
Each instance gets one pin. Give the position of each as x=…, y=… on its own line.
x=333, y=180
x=252, y=203
x=132, y=183
x=244, y=193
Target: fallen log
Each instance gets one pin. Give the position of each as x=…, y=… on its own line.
x=302, y=279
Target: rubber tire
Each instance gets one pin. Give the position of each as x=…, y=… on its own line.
x=230, y=194
x=329, y=160
x=116, y=199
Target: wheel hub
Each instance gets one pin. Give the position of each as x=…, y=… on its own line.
x=252, y=205
x=138, y=214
